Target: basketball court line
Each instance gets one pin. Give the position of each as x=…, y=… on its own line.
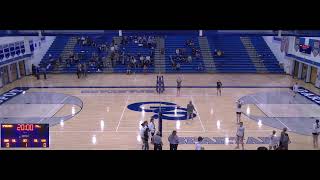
x=124, y=109
x=153, y=87
x=258, y=105
x=198, y=113
x=54, y=109
x=97, y=131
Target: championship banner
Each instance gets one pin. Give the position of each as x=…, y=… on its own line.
x=315, y=49
x=296, y=44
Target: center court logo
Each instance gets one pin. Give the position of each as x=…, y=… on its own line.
x=170, y=111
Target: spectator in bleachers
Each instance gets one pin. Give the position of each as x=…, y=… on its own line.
x=129, y=68
x=177, y=51
x=79, y=70
x=189, y=59
x=84, y=67
x=145, y=67
x=215, y=52
x=200, y=67
x=178, y=66
x=148, y=59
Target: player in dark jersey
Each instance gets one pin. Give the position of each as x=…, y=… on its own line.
x=179, y=81
x=219, y=86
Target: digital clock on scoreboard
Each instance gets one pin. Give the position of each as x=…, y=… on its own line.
x=24, y=135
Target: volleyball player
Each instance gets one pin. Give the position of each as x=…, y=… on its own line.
x=219, y=86
x=240, y=136
x=295, y=89
x=273, y=144
x=152, y=127
x=198, y=143
x=238, y=111
x=315, y=133
x=190, y=109
x=179, y=81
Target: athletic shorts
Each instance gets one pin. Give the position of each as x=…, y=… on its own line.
x=240, y=139
x=238, y=112
x=315, y=134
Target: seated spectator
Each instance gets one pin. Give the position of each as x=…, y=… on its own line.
x=112, y=48
x=200, y=67
x=189, y=59
x=178, y=66
x=141, y=58
x=145, y=67
x=177, y=51
x=215, y=52
x=148, y=59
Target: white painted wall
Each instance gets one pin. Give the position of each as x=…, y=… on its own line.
x=39, y=52
x=281, y=57
x=10, y=39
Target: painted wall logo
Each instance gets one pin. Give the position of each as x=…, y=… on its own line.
x=11, y=94
x=224, y=140
x=170, y=111
x=310, y=95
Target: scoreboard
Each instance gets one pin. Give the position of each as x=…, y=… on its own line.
x=24, y=135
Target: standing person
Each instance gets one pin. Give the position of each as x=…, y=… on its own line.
x=179, y=81
x=173, y=140
x=79, y=68
x=273, y=144
x=44, y=71
x=33, y=70
x=157, y=141
x=152, y=127
x=284, y=140
x=240, y=135
x=144, y=133
x=315, y=133
x=190, y=109
x=238, y=111
x=198, y=144
x=38, y=72
x=219, y=86
x=295, y=89
x=85, y=69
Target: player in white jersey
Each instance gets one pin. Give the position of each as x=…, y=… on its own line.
x=240, y=135
x=238, y=110
x=295, y=89
x=315, y=133
x=198, y=144
x=273, y=144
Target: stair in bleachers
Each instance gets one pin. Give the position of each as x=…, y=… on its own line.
x=235, y=58
x=206, y=54
x=159, y=59
x=254, y=56
x=269, y=60
x=55, y=50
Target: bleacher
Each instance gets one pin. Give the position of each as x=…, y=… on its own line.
x=269, y=60
x=174, y=42
x=235, y=58
x=55, y=49
x=133, y=49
